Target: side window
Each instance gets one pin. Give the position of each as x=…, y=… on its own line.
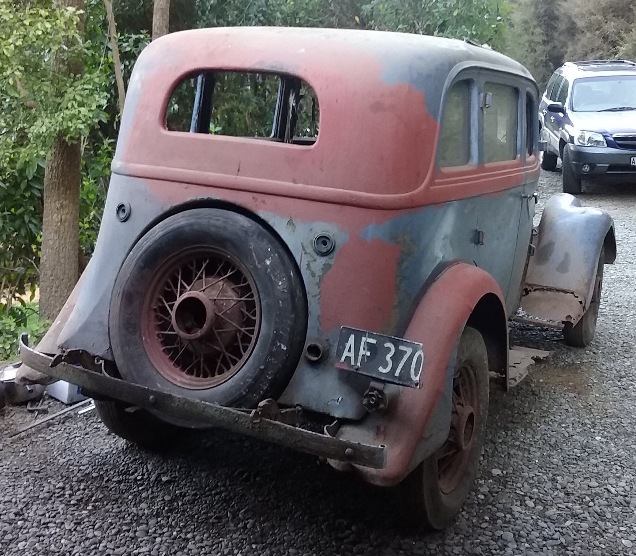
x=245, y=104
x=563, y=92
x=454, y=140
x=500, y=122
x=550, y=86
x=531, y=118
x=555, y=88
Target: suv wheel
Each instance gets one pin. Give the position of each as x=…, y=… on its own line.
x=571, y=182
x=549, y=161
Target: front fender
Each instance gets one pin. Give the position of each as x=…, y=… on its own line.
x=418, y=420
x=561, y=273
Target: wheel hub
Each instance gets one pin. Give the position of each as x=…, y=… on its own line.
x=193, y=316
x=464, y=425
x=202, y=318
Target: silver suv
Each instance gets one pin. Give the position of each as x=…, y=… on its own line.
x=587, y=118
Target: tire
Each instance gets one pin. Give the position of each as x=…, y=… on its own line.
x=571, y=182
x=138, y=426
x=582, y=333
x=209, y=305
x=549, y=161
x=435, y=491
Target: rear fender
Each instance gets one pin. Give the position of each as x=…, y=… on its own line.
x=560, y=275
x=418, y=420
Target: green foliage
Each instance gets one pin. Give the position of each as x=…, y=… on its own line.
x=95, y=175
x=38, y=102
x=20, y=225
x=479, y=20
x=538, y=36
x=21, y=317
x=602, y=29
x=543, y=35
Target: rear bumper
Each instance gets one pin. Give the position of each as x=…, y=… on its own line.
x=602, y=162
x=249, y=423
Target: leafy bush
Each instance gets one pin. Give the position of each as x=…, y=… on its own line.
x=21, y=317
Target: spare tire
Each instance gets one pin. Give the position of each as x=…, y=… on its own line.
x=209, y=305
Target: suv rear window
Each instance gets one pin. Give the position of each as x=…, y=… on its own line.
x=245, y=104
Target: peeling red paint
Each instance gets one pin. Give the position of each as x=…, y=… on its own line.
x=361, y=287
x=439, y=318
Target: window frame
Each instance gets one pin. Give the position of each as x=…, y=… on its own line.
x=284, y=117
x=566, y=84
x=554, y=93
x=516, y=85
x=470, y=124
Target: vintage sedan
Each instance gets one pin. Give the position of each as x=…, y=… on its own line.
x=318, y=237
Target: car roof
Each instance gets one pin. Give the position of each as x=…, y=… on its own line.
x=379, y=95
x=598, y=68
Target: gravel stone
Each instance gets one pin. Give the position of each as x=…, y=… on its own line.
x=557, y=477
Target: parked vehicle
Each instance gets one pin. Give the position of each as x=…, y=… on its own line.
x=317, y=238
x=588, y=119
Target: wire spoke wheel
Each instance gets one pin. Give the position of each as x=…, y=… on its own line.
x=433, y=493
x=200, y=317
x=209, y=305
x=454, y=457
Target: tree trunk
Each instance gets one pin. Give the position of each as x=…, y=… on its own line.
x=60, y=225
x=160, y=18
x=114, y=46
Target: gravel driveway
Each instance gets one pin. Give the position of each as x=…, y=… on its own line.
x=558, y=474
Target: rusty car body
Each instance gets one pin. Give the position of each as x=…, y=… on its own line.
x=339, y=279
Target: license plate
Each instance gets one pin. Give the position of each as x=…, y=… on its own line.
x=384, y=357
x=633, y=161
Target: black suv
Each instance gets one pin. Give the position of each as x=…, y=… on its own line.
x=587, y=118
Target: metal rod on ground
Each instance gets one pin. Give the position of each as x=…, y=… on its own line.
x=50, y=417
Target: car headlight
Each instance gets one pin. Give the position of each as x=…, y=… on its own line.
x=589, y=139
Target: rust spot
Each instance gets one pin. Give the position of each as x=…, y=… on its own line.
x=545, y=252
x=564, y=265
x=360, y=288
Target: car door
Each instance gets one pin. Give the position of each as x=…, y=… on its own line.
x=552, y=120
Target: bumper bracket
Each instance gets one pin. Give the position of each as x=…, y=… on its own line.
x=231, y=419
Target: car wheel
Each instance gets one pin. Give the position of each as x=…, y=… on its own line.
x=571, y=182
x=582, y=333
x=435, y=491
x=136, y=425
x=549, y=161
x=209, y=305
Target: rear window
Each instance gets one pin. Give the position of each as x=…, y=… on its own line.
x=245, y=104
